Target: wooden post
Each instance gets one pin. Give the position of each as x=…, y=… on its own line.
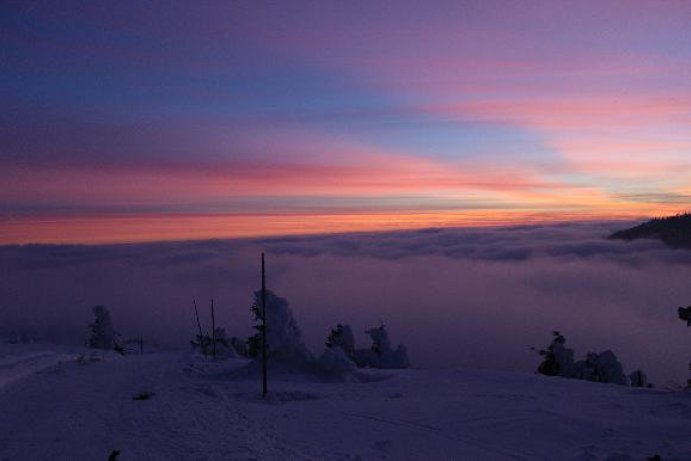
x=199, y=324
x=264, y=342
x=213, y=330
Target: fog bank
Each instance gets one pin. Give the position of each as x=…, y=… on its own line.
x=455, y=297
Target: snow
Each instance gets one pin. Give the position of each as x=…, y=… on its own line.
x=17, y=366
x=56, y=407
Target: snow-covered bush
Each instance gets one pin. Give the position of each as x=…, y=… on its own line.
x=239, y=346
x=685, y=315
x=22, y=337
x=225, y=347
x=639, y=379
x=340, y=359
x=334, y=363
x=342, y=338
x=602, y=368
x=87, y=359
x=380, y=354
x=558, y=360
x=103, y=335
x=284, y=338
x=202, y=343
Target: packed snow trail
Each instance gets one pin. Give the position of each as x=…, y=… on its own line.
x=203, y=410
x=15, y=368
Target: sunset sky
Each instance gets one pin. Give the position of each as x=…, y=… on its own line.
x=131, y=121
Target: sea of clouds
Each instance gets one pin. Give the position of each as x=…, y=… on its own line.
x=471, y=297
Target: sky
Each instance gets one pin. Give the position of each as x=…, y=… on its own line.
x=142, y=121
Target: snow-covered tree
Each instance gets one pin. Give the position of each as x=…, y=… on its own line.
x=639, y=379
x=602, y=368
x=202, y=343
x=685, y=315
x=380, y=354
x=22, y=337
x=239, y=346
x=558, y=359
x=334, y=363
x=103, y=335
x=341, y=358
x=224, y=345
x=284, y=338
x=342, y=337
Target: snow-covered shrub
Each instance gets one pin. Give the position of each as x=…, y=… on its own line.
x=202, y=343
x=103, y=335
x=143, y=395
x=639, y=379
x=685, y=315
x=334, y=363
x=341, y=357
x=21, y=338
x=86, y=359
x=342, y=338
x=239, y=346
x=602, y=368
x=284, y=338
x=224, y=345
x=380, y=355
x=558, y=359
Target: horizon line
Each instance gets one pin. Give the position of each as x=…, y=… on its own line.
x=104, y=230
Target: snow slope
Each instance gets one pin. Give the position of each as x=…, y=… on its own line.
x=18, y=362
x=54, y=407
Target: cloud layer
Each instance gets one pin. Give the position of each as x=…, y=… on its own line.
x=456, y=297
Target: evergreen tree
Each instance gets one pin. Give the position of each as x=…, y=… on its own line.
x=103, y=335
x=685, y=315
x=284, y=338
x=380, y=354
x=558, y=360
x=639, y=379
x=342, y=337
x=600, y=367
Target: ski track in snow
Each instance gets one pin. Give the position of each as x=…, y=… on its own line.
x=54, y=407
x=15, y=368
x=482, y=446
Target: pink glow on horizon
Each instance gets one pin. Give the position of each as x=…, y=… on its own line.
x=139, y=228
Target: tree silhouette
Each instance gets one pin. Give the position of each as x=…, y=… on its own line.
x=685, y=315
x=103, y=335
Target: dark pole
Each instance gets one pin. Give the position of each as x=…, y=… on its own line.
x=213, y=329
x=264, y=354
x=199, y=324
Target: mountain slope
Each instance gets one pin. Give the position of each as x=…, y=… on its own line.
x=200, y=410
x=674, y=231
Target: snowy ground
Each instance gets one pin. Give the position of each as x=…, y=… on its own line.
x=55, y=407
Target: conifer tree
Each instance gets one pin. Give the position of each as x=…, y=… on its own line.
x=103, y=335
x=685, y=315
x=556, y=357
